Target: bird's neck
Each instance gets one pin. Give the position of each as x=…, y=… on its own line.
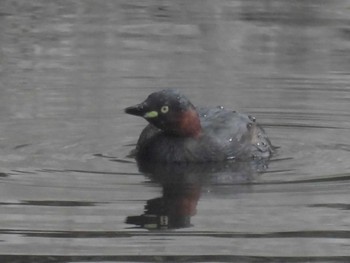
x=189, y=124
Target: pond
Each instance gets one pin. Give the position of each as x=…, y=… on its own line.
x=70, y=193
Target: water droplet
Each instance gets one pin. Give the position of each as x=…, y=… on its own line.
x=230, y=140
x=220, y=107
x=249, y=125
x=252, y=118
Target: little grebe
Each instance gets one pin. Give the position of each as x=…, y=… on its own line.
x=180, y=132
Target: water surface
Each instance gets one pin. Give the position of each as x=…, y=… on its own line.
x=68, y=191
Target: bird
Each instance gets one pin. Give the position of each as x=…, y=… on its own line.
x=179, y=132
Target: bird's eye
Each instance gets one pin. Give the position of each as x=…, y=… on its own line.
x=164, y=109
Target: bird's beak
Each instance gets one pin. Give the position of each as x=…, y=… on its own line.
x=137, y=110
x=142, y=110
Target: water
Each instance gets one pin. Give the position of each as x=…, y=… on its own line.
x=67, y=189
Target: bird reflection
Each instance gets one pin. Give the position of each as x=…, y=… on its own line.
x=173, y=209
x=182, y=185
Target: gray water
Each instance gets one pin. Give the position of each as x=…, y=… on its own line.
x=68, y=191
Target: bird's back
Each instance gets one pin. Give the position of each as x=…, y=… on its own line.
x=226, y=134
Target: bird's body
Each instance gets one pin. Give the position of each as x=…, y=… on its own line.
x=179, y=132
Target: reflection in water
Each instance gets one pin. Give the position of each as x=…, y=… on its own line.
x=173, y=210
x=182, y=185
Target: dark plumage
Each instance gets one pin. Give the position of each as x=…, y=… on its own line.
x=179, y=132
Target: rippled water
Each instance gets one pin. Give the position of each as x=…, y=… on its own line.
x=68, y=192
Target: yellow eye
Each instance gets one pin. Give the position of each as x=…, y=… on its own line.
x=164, y=109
